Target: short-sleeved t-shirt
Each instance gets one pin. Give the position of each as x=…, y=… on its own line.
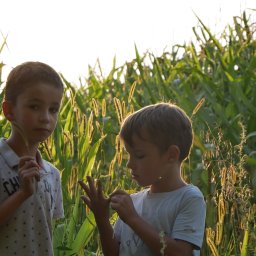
x=29, y=230
x=179, y=214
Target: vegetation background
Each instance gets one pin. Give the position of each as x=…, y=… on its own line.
x=214, y=80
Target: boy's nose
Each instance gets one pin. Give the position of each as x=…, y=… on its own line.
x=45, y=116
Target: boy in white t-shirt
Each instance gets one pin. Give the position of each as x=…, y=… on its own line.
x=30, y=187
x=168, y=216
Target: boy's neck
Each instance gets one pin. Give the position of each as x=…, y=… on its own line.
x=20, y=148
x=167, y=186
x=172, y=180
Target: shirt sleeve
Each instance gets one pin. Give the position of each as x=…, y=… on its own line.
x=58, y=211
x=117, y=229
x=190, y=222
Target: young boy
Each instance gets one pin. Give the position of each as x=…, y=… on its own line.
x=30, y=188
x=168, y=216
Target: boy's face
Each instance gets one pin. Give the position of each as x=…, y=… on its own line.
x=147, y=162
x=36, y=112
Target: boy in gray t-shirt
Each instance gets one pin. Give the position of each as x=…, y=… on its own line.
x=168, y=216
x=30, y=187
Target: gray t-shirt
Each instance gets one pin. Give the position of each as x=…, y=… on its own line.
x=179, y=214
x=29, y=230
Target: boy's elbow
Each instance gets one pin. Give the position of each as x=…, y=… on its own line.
x=178, y=248
x=3, y=221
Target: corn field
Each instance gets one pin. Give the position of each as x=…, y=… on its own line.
x=214, y=80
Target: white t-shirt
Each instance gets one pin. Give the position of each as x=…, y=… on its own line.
x=179, y=214
x=29, y=230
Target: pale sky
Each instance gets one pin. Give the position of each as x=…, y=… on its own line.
x=70, y=35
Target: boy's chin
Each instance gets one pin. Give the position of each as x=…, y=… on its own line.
x=39, y=140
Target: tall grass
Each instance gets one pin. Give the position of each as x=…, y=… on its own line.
x=213, y=79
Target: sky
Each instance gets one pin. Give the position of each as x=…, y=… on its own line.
x=70, y=35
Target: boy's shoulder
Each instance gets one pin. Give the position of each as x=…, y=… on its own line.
x=49, y=164
x=188, y=190
x=189, y=193
x=45, y=164
x=7, y=155
x=193, y=190
x=183, y=196
x=49, y=167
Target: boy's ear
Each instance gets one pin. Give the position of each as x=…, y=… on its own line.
x=7, y=110
x=174, y=153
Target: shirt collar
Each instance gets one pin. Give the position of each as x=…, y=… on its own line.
x=13, y=160
x=8, y=154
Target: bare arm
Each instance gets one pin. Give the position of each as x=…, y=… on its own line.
x=99, y=205
x=10, y=205
x=28, y=174
x=109, y=244
x=122, y=203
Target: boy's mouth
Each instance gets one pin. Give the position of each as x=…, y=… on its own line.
x=42, y=130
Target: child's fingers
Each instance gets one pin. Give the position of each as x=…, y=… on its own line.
x=87, y=201
x=114, y=205
x=23, y=159
x=29, y=165
x=118, y=192
x=28, y=161
x=91, y=184
x=99, y=188
x=25, y=165
x=85, y=188
x=82, y=184
x=26, y=174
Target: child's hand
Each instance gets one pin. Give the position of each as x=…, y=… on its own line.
x=122, y=203
x=95, y=199
x=28, y=175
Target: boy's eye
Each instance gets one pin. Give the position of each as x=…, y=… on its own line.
x=35, y=107
x=140, y=156
x=54, y=110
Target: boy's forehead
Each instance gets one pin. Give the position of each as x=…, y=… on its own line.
x=42, y=91
x=137, y=142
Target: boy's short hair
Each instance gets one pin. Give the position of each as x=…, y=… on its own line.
x=27, y=74
x=165, y=124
